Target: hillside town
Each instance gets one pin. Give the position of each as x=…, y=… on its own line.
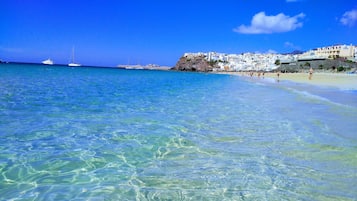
x=272, y=61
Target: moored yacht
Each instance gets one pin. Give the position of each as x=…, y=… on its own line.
x=73, y=64
x=47, y=62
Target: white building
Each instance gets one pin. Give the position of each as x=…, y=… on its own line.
x=266, y=62
x=191, y=55
x=347, y=51
x=335, y=51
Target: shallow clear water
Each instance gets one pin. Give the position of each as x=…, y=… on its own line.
x=109, y=134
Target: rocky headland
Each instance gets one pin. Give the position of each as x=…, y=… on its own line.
x=194, y=63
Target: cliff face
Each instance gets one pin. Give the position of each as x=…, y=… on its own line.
x=319, y=65
x=198, y=63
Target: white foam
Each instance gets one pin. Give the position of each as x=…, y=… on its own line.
x=311, y=96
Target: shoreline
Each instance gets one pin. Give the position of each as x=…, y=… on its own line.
x=337, y=80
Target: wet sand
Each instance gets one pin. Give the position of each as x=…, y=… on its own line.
x=338, y=80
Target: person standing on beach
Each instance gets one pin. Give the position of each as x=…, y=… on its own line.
x=310, y=73
x=278, y=74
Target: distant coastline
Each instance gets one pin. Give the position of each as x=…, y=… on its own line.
x=336, y=57
x=127, y=67
x=144, y=67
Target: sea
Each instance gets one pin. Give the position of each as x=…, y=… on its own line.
x=112, y=134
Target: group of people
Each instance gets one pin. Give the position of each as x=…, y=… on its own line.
x=262, y=74
x=311, y=71
x=251, y=74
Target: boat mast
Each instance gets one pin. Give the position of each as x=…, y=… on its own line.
x=73, y=54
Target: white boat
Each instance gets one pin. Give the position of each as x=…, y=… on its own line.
x=73, y=64
x=47, y=62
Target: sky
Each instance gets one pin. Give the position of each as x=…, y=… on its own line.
x=112, y=32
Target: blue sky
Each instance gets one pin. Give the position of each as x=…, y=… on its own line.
x=110, y=32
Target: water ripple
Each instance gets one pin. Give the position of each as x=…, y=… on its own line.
x=104, y=134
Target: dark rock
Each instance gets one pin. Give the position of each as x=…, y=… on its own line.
x=193, y=63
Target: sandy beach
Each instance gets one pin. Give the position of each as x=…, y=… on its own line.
x=338, y=80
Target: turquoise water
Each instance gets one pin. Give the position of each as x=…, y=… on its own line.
x=109, y=134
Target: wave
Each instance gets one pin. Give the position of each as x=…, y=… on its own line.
x=328, y=98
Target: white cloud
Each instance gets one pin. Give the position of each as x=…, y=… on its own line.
x=264, y=24
x=10, y=49
x=291, y=45
x=270, y=51
x=293, y=1
x=349, y=18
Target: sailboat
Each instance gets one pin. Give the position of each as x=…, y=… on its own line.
x=72, y=64
x=47, y=62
